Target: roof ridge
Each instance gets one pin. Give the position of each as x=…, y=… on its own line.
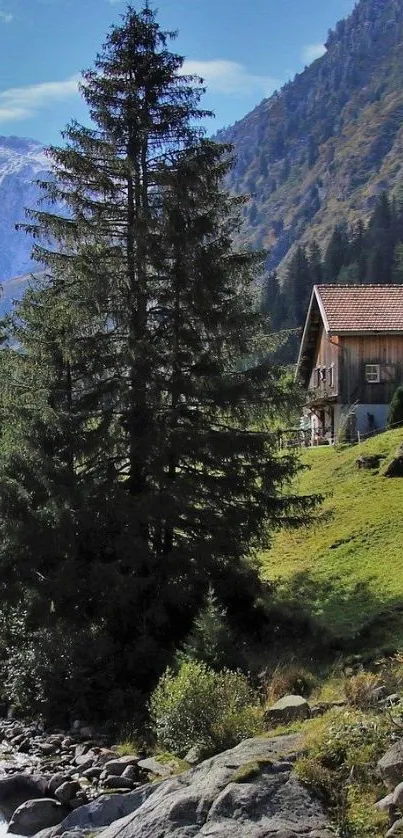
x=359, y=285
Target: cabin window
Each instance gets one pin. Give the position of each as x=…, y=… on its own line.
x=323, y=374
x=372, y=373
x=331, y=382
x=317, y=377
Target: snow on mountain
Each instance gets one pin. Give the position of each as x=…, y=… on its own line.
x=22, y=162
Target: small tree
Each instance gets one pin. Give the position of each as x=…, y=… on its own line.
x=211, y=640
x=396, y=408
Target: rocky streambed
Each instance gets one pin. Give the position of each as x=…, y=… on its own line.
x=46, y=775
x=76, y=785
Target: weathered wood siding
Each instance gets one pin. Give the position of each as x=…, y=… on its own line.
x=326, y=358
x=355, y=353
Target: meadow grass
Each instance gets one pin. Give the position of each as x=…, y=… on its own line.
x=345, y=568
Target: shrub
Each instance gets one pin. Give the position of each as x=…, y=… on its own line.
x=214, y=710
x=359, y=689
x=395, y=416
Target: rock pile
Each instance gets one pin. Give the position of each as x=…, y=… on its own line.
x=44, y=776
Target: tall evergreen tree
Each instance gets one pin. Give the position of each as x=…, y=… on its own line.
x=149, y=314
x=298, y=285
x=336, y=255
x=315, y=263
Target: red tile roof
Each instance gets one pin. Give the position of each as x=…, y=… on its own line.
x=361, y=308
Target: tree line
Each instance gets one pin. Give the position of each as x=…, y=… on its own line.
x=365, y=253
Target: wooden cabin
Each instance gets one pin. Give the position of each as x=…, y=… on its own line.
x=351, y=358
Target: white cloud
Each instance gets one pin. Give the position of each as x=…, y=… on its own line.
x=229, y=77
x=19, y=103
x=6, y=17
x=312, y=51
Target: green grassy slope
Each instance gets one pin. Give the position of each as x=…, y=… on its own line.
x=346, y=568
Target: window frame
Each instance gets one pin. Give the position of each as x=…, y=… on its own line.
x=373, y=370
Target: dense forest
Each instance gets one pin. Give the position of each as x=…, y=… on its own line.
x=138, y=472
x=364, y=253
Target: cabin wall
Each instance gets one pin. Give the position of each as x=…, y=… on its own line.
x=325, y=372
x=358, y=351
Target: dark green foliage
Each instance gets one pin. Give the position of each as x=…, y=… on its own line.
x=298, y=287
x=197, y=706
x=211, y=640
x=136, y=465
x=336, y=254
x=395, y=416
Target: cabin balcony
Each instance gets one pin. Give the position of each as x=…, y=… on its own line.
x=321, y=396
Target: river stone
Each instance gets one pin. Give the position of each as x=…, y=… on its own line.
x=84, y=762
x=152, y=766
x=104, y=810
x=117, y=766
x=34, y=815
x=115, y=782
x=57, y=780
x=207, y=800
x=384, y=804
x=390, y=766
x=288, y=709
x=396, y=829
x=67, y=791
x=19, y=788
x=130, y=772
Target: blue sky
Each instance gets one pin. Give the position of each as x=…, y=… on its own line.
x=244, y=49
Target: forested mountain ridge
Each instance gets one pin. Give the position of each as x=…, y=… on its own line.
x=321, y=150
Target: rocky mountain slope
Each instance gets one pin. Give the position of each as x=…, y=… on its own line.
x=22, y=162
x=322, y=149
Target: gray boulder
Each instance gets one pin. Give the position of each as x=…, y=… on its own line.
x=114, y=782
x=67, y=791
x=390, y=766
x=18, y=788
x=57, y=780
x=397, y=797
x=395, y=829
x=247, y=792
x=103, y=811
x=117, y=766
x=34, y=815
x=152, y=766
x=290, y=708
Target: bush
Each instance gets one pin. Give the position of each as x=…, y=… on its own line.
x=395, y=416
x=359, y=689
x=213, y=710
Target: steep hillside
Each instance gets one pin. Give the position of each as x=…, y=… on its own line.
x=345, y=570
x=330, y=141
